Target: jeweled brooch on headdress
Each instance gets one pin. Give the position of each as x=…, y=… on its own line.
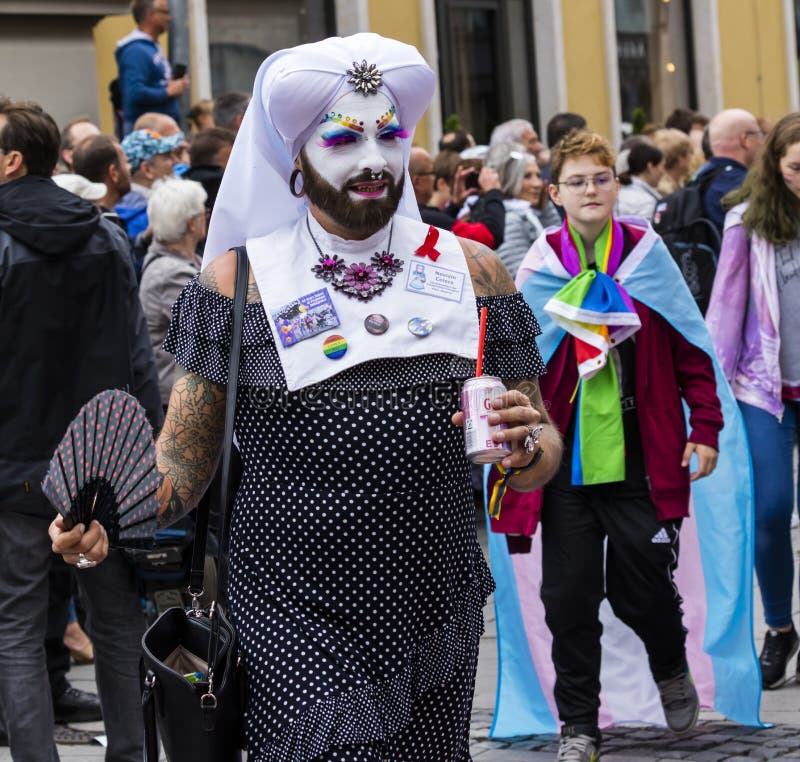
x=366, y=77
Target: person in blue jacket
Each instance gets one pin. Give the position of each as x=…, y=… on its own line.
x=145, y=75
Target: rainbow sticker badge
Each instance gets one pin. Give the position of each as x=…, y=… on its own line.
x=334, y=347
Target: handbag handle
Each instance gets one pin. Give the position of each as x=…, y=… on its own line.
x=201, y=527
x=149, y=715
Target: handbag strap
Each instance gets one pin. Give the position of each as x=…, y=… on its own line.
x=201, y=526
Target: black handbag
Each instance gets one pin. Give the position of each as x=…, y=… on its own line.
x=194, y=687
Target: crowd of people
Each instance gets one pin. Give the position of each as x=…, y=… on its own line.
x=101, y=247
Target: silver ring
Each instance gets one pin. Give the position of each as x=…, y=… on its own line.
x=85, y=563
x=532, y=439
x=376, y=175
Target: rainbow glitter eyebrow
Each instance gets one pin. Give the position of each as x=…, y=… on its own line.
x=386, y=118
x=344, y=121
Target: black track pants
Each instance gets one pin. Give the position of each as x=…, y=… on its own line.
x=640, y=560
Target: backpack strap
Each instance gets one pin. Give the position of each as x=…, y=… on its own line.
x=704, y=181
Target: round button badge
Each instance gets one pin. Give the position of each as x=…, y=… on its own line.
x=376, y=324
x=420, y=327
x=334, y=347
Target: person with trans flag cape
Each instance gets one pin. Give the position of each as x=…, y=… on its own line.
x=630, y=363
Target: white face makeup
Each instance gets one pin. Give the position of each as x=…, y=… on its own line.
x=359, y=136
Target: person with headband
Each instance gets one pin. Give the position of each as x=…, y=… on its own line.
x=356, y=579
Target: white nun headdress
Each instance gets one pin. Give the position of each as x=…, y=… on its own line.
x=293, y=91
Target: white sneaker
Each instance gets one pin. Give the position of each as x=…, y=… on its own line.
x=577, y=747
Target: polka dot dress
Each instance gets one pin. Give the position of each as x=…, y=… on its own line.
x=357, y=582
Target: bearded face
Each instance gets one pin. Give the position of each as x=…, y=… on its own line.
x=352, y=165
x=361, y=216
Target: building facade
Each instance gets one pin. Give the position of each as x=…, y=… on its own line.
x=495, y=59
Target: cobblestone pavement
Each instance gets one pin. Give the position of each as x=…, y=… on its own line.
x=711, y=741
x=714, y=740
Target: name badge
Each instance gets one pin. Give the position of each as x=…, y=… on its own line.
x=432, y=280
x=305, y=317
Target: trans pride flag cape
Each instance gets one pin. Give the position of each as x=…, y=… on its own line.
x=715, y=573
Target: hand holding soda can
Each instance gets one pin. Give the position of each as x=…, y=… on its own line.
x=477, y=397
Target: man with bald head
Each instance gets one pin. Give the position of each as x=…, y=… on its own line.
x=161, y=123
x=736, y=140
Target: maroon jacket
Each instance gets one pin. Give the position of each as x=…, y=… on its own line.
x=668, y=368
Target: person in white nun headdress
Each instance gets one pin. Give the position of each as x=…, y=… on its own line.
x=356, y=582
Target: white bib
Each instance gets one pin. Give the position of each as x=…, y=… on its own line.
x=440, y=292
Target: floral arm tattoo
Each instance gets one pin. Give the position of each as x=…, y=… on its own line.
x=189, y=445
x=208, y=278
x=489, y=275
x=219, y=276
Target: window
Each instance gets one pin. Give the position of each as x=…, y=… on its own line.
x=654, y=51
x=242, y=33
x=486, y=62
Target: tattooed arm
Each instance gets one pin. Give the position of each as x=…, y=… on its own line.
x=190, y=443
x=489, y=275
x=522, y=405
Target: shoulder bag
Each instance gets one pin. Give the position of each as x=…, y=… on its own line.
x=194, y=687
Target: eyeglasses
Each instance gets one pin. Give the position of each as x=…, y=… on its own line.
x=578, y=185
x=756, y=132
x=165, y=11
x=423, y=174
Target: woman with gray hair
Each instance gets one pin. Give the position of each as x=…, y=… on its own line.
x=525, y=197
x=177, y=215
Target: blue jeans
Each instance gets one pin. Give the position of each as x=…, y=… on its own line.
x=772, y=446
x=115, y=624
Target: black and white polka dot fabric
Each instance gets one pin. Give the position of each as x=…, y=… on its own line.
x=357, y=582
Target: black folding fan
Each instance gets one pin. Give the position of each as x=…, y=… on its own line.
x=105, y=469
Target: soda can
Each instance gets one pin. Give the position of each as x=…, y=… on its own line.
x=477, y=397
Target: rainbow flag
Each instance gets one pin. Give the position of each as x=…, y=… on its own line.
x=596, y=310
x=714, y=576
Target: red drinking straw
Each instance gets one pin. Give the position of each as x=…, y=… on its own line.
x=481, y=337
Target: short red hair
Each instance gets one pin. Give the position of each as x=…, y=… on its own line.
x=581, y=143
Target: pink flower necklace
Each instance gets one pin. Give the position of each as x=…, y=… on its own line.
x=360, y=280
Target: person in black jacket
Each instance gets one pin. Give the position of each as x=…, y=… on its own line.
x=70, y=326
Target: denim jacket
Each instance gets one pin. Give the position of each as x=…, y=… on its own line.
x=744, y=316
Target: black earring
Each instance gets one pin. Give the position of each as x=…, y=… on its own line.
x=292, y=181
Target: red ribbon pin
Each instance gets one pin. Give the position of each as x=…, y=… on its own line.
x=427, y=249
